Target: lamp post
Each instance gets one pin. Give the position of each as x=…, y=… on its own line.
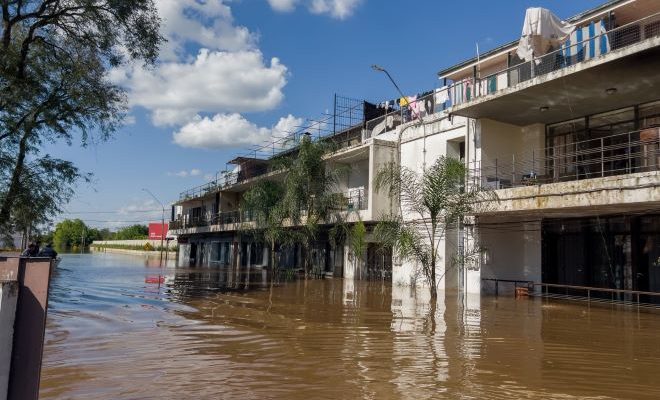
x=162, y=224
x=381, y=69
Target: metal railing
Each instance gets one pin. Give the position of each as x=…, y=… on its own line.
x=516, y=283
x=568, y=54
x=575, y=292
x=416, y=109
x=222, y=180
x=221, y=218
x=624, y=153
x=354, y=200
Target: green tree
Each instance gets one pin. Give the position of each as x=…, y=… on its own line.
x=133, y=232
x=45, y=184
x=54, y=60
x=263, y=203
x=71, y=233
x=309, y=198
x=429, y=204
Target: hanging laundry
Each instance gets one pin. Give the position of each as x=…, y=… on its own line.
x=441, y=95
x=414, y=106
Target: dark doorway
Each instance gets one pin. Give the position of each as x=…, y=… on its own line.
x=615, y=252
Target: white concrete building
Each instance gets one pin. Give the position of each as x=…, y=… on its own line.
x=568, y=140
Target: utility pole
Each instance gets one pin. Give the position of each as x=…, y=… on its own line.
x=162, y=224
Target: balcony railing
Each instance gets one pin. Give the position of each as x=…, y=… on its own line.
x=221, y=218
x=468, y=89
x=355, y=200
x=624, y=153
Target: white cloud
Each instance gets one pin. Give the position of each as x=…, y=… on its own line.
x=214, y=82
x=340, y=9
x=287, y=125
x=184, y=173
x=229, y=130
x=129, y=120
x=283, y=5
x=209, y=24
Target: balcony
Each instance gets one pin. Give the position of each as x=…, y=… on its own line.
x=221, y=218
x=626, y=58
x=354, y=200
x=625, y=153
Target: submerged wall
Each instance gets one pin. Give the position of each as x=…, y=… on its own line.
x=8, y=297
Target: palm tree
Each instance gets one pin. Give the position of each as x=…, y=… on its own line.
x=430, y=203
x=264, y=203
x=309, y=199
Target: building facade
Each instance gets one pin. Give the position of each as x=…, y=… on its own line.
x=567, y=140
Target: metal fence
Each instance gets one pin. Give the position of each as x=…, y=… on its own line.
x=568, y=54
x=355, y=200
x=624, y=153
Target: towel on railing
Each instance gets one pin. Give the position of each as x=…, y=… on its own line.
x=586, y=42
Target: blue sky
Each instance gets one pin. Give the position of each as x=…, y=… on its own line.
x=235, y=72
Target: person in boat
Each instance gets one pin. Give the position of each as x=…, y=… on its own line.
x=30, y=251
x=48, y=251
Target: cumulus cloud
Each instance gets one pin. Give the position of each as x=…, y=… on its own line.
x=185, y=173
x=214, y=82
x=209, y=24
x=283, y=5
x=339, y=9
x=229, y=130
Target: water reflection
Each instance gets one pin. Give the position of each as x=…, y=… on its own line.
x=119, y=327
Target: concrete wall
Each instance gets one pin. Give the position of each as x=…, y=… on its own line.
x=380, y=153
x=512, y=250
x=8, y=297
x=615, y=193
x=421, y=147
x=140, y=242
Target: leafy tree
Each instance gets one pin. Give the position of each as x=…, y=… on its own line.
x=45, y=184
x=132, y=232
x=429, y=203
x=308, y=198
x=263, y=203
x=71, y=233
x=105, y=234
x=54, y=60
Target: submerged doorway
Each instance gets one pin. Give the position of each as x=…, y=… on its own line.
x=616, y=252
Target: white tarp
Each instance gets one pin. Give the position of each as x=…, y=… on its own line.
x=542, y=31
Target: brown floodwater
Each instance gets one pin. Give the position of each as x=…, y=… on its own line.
x=120, y=327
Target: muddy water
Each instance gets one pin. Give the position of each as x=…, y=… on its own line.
x=120, y=327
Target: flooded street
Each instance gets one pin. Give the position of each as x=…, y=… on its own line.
x=120, y=327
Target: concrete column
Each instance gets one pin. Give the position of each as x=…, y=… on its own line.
x=472, y=268
x=532, y=251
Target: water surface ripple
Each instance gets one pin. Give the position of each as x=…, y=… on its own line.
x=120, y=327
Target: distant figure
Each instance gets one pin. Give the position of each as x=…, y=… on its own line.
x=48, y=251
x=30, y=251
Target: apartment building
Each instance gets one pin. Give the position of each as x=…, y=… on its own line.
x=568, y=140
x=565, y=132
x=208, y=219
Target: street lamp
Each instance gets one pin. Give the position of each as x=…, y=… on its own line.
x=378, y=68
x=162, y=224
